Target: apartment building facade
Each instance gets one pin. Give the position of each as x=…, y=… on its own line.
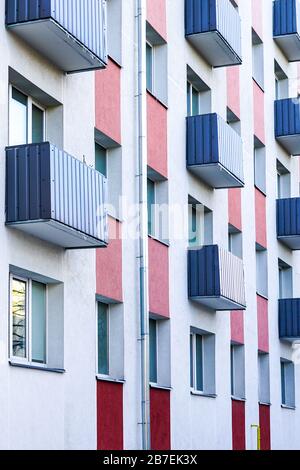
x=150, y=204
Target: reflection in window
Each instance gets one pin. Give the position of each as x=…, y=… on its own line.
x=18, y=118
x=19, y=318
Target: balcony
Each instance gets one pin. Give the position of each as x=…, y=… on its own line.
x=214, y=151
x=286, y=28
x=55, y=197
x=289, y=319
x=216, y=278
x=287, y=124
x=213, y=27
x=288, y=222
x=72, y=35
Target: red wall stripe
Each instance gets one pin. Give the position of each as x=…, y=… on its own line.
x=238, y=425
x=109, y=264
x=265, y=428
x=257, y=17
x=108, y=101
x=261, y=218
x=160, y=419
x=157, y=136
x=109, y=416
x=237, y=326
x=156, y=16
x=233, y=90
x=262, y=324
x=235, y=208
x=259, y=112
x=158, y=278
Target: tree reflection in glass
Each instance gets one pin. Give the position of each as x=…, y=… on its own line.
x=19, y=318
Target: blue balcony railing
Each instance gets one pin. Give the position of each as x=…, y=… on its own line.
x=213, y=27
x=55, y=197
x=216, y=278
x=71, y=34
x=288, y=222
x=287, y=124
x=214, y=151
x=289, y=319
x=286, y=27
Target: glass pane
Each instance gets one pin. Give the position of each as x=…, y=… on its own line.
x=100, y=159
x=283, y=394
x=195, y=102
x=151, y=208
x=103, y=339
x=149, y=67
x=191, y=361
x=232, y=369
x=199, y=363
x=188, y=98
x=38, y=322
x=193, y=226
x=19, y=318
x=18, y=118
x=37, y=125
x=153, y=351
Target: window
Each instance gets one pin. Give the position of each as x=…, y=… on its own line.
x=283, y=181
x=151, y=206
x=260, y=167
x=281, y=83
x=200, y=224
x=101, y=159
x=257, y=59
x=235, y=241
x=103, y=339
x=26, y=119
x=202, y=362
x=149, y=67
x=28, y=320
x=153, y=350
x=263, y=378
x=261, y=272
x=193, y=100
x=237, y=368
x=285, y=273
x=287, y=370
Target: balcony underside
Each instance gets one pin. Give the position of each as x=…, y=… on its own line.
x=214, y=48
x=216, y=176
x=218, y=303
x=290, y=46
x=57, y=233
x=57, y=45
x=291, y=241
x=291, y=143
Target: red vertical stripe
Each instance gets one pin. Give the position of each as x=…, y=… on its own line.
x=265, y=428
x=262, y=324
x=160, y=419
x=157, y=136
x=158, y=278
x=109, y=416
x=238, y=425
x=261, y=218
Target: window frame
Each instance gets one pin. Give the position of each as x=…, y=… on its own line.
x=28, y=359
x=151, y=90
x=286, y=392
x=190, y=89
x=100, y=374
x=156, y=351
x=151, y=213
x=30, y=103
x=193, y=366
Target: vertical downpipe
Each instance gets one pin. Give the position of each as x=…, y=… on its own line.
x=143, y=222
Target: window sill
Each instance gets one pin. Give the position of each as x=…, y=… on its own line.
x=33, y=367
x=163, y=242
x=288, y=407
x=201, y=394
x=160, y=387
x=157, y=99
x=263, y=403
x=233, y=398
x=107, y=378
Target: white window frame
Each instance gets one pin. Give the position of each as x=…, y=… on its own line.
x=156, y=352
x=191, y=87
x=28, y=359
x=152, y=67
x=194, y=352
x=30, y=103
x=98, y=374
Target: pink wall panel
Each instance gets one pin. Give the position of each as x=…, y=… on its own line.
x=156, y=16
x=262, y=324
x=260, y=218
x=109, y=264
x=259, y=112
x=109, y=416
x=160, y=419
x=108, y=102
x=265, y=427
x=235, y=208
x=238, y=425
x=158, y=278
x=237, y=326
x=257, y=17
x=233, y=90
x=157, y=136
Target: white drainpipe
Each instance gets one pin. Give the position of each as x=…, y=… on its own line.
x=143, y=230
